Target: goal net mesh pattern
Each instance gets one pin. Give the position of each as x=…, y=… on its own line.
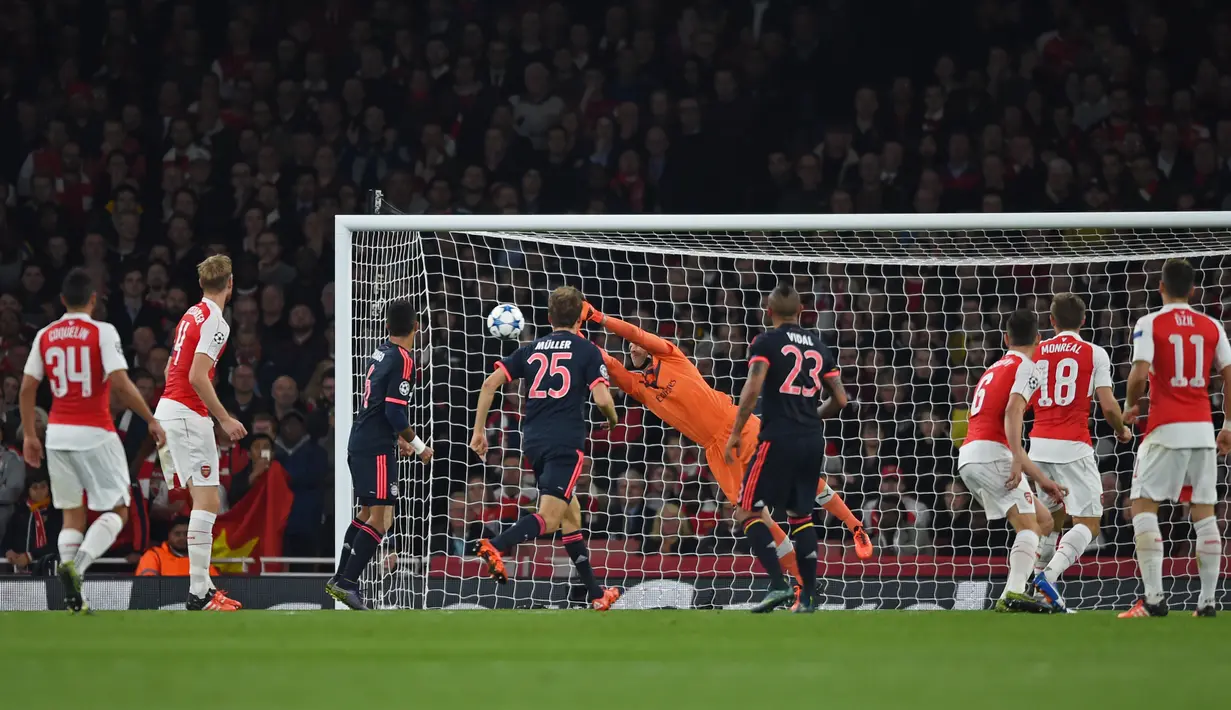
x=914, y=318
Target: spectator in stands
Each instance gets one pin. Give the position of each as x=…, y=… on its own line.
x=304, y=461
x=170, y=558
x=896, y=520
x=12, y=481
x=29, y=542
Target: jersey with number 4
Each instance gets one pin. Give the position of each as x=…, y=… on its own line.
x=1181, y=345
x=561, y=368
x=387, y=381
x=202, y=329
x=77, y=354
x=986, y=441
x=798, y=360
x=1069, y=369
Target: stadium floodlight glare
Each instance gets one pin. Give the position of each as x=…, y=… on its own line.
x=912, y=304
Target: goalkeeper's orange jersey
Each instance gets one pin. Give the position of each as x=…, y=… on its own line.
x=672, y=388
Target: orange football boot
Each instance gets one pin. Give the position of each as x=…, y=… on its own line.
x=494, y=561
x=603, y=603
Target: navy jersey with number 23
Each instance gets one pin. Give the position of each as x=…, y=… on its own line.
x=560, y=369
x=387, y=381
x=798, y=360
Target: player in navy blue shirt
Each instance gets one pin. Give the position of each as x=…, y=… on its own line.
x=788, y=369
x=562, y=369
x=381, y=430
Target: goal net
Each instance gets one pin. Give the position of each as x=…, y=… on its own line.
x=912, y=305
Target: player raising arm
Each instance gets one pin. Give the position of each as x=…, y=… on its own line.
x=1173, y=349
x=789, y=368
x=668, y=383
x=991, y=460
x=1070, y=372
x=562, y=367
x=83, y=359
x=371, y=449
x=191, y=453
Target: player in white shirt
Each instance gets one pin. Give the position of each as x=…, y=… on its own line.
x=1173, y=350
x=82, y=359
x=1070, y=372
x=191, y=453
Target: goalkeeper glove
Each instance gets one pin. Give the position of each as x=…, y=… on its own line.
x=591, y=313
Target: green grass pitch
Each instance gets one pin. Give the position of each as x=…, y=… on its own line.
x=623, y=659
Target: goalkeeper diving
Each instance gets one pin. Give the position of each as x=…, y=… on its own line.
x=667, y=382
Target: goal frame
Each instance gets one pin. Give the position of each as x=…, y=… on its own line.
x=346, y=225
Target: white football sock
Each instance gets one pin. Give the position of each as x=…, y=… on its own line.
x=1021, y=560
x=1149, y=555
x=68, y=542
x=200, y=549
x=785, y=548
x=1209, y=559
x=1068, y=551
x=1047, y=548
x=98, y=539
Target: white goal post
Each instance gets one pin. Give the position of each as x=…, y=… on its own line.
x=912, y=305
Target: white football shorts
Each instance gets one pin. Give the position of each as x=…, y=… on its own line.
x=191, y=453
x=1161, y=473
x=101, y=473
x=1085, y=484
x=987, y=481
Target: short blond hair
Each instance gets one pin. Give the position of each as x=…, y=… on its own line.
x=214, y=272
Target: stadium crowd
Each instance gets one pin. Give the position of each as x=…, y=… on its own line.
x=145, y=135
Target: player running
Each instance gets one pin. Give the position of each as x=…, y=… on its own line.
x=1070, y=371
x=82, y=358
x=561, y=366
x=789, y=367
x=668, y=383
x=371, y=449
x=991, y=460
x=1173, y=349
x=191, y=453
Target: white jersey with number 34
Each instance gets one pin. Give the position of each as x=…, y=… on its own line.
x=1181, y=345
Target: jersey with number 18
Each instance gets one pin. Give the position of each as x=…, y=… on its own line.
x=1069, y=369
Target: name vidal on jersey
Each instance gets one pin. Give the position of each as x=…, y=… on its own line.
x=800, y=338
x=1049, y=348
x=554, y=345
x=71, y=331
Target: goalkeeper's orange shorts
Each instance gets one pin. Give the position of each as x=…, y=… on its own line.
x=730, y=476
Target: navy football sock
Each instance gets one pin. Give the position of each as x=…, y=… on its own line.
x=527, y=528
x=762, y=541
x=803, y=537
x=575, y=546
x=362, y=550
x=347, y=541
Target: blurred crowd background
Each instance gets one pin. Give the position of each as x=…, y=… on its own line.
x=142, y=135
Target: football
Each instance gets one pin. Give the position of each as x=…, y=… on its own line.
x=505, y=321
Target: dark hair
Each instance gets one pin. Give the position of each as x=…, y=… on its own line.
x=1178, y=277
x=179, y=520
x=1068, y=310
x=1022, y=326
x=784, y=301
x=564, y=307
x=77, y=288
x=400, y=317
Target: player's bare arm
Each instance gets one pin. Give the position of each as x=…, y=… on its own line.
x=1014, y=416
x=1138, y=380
x=1224, y=434
x=1113, y=414
x=131, y=398
x=198, y=377
x=478, y=438
x=605, y=404
x=32, y=448
x=747, y=402
x=837, y=399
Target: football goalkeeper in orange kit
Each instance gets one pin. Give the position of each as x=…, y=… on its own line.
x=667, y=382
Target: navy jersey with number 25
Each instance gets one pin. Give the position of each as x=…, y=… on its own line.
x=560, y=369
x=387, y=380
x=798, y=360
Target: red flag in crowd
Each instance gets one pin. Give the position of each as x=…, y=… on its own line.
x=253, y=528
